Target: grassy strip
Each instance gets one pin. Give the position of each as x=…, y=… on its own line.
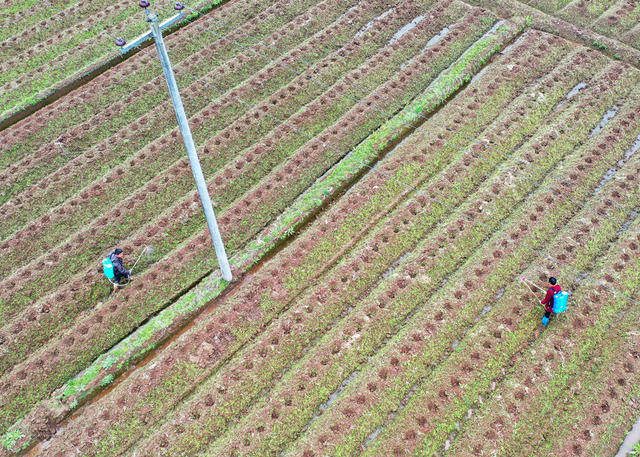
x=330, y=183
x=199, y=261
x=618, y=19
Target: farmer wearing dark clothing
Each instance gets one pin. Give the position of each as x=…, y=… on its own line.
x=119, y=271
x=548, y=299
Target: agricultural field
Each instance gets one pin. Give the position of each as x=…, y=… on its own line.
x=385, y=173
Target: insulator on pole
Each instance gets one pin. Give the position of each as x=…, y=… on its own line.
x=120, y=41
x=178, y=6
x=144, y=4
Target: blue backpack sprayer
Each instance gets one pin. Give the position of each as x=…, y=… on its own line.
x=107, y=266
x=559, y=298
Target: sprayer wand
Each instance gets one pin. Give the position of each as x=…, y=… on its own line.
x=139, y=257
x=527, y=282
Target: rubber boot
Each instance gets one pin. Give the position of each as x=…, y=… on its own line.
x=545, y=320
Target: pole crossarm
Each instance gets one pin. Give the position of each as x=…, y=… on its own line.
x=145, y=36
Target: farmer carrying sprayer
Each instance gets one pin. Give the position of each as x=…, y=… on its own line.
x=119, y=272
x=548, y=299
x=555, y=301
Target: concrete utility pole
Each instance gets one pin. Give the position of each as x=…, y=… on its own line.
x=201, y=184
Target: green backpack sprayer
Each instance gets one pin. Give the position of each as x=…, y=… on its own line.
x=107, y=266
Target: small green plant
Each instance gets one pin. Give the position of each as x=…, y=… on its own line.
x=599, y=45
x=635, y=451
x=616, y=56
x=11, y=438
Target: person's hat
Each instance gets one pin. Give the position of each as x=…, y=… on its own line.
x=117, y=251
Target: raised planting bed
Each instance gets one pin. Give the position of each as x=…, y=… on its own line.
x=194, y=254
x=618, y=19
x=41, y=22
x=633, y=37
x=583, y=14
x=548, y=6
x=619, y=387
